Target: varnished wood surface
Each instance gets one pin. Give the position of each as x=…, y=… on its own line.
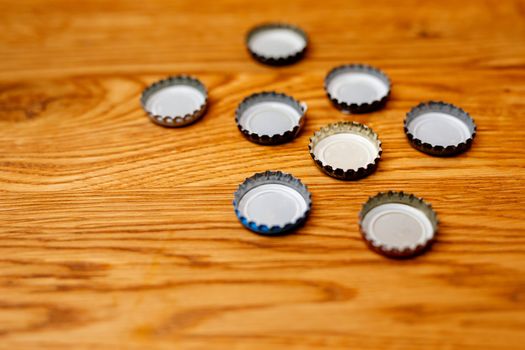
x=119, y=234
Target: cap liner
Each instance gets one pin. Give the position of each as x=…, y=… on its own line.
x=276, y=42
x=175, y=100
x=272, y=205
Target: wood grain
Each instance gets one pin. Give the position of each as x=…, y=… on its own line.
x=116, y=233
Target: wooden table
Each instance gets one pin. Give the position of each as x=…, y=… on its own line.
x=117, y=233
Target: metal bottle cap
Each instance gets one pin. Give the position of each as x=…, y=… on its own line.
x=270, y=118
x=439, y=128
x=398, y=225
x=277, y=44
x=357, y=88
x=346, y=150
x=272, y=203
x=175, y=101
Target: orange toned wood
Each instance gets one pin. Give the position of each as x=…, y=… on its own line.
x=119, y=234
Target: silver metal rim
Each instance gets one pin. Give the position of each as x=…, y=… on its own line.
x=265, y=96
x=272, y=177
x=277, y=61
x=443, y=107
x=357, y=107
x=403, y=198
x=175, y=120
x=345, y=127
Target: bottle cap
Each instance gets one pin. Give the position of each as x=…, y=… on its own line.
x=270, y=118
x=346, y=150
x=398, y=225
x=357, y=88
x=272, y=203
x=175, y=101
x=277, y=44
x=439, y=129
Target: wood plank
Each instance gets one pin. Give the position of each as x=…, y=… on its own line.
x=117, y=233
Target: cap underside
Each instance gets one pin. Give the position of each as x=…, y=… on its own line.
x=272, y=205
x=175, y=100
x=269, y=118
x=346, y=151
x=357, y=87
x=397, y=225
x=439, y=129
x=276, y=42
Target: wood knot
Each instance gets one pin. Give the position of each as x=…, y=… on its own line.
x=28, y=100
